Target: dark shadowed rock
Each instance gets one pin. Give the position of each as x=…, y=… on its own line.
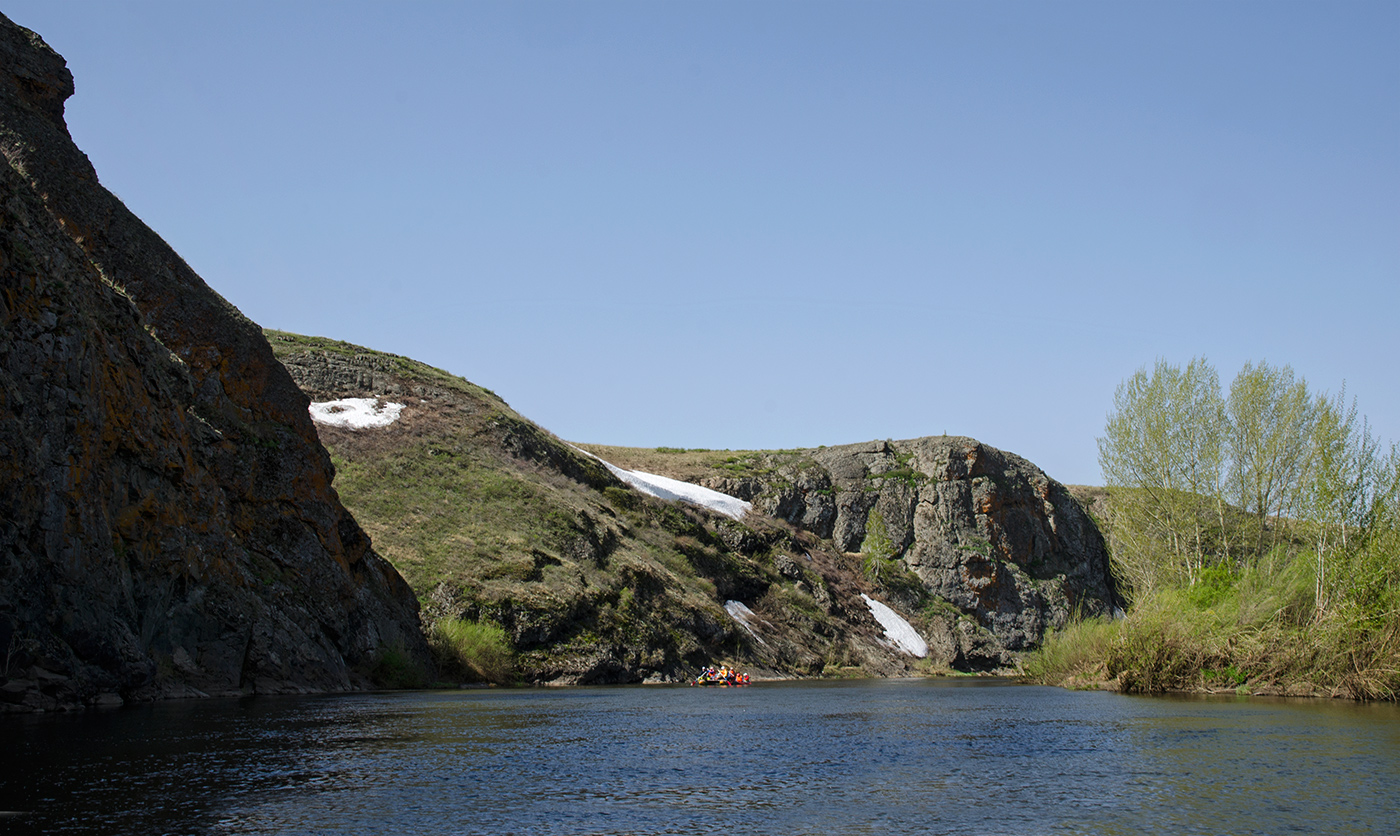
x=167, y=523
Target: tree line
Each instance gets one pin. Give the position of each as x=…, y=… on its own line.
x=1200, y=478
x=1256, y=533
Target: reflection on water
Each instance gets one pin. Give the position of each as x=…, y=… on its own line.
x=936, y=756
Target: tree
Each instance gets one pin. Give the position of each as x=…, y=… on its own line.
x=1162, y=456
x=1296, y=464
x=1316, y=503
x=877, y=547
x=1346, y=484
x=1270, y=426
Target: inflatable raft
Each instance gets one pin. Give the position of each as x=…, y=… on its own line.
x=723, y=676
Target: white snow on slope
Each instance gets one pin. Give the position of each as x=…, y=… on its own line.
x=746, y=618
x=897, y=630
x=674, y=490
x=356, y=413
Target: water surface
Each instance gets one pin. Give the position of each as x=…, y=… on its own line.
x=871, y=757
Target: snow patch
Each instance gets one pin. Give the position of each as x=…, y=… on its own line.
x=745, y=617
x=674, y=490
x=897, y=630
x=356, y=413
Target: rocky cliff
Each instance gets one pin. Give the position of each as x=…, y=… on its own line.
x=1005, y=551
x=167, y=522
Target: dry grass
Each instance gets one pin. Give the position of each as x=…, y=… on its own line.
x=1262, y=638
x=688, y=465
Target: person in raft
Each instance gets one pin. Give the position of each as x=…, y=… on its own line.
x=722, y=674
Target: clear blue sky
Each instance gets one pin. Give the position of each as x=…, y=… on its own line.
x=776, y=224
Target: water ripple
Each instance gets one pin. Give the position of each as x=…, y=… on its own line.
x=801, y=758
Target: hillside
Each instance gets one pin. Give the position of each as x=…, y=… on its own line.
x=170, y=527
x=493, y=519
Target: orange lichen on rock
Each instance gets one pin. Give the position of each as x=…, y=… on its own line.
x=163, y=488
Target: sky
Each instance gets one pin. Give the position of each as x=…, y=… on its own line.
x=737, y=225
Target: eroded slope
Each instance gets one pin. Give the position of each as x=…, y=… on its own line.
x=981, y=535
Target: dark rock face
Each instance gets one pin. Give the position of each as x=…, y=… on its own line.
x=167, y=525
x=984, y=530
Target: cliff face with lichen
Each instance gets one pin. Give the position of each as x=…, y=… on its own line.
x=167, y=523
x=981, y=528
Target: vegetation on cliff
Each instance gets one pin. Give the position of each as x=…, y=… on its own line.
x=533, y=563
x=1257, y=533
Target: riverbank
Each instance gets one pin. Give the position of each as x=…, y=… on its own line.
x=1301, y=690
x=1174, y=641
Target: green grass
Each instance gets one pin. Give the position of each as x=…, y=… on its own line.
x=472, y=651
x=907, y=475
x=493, y=524
x=1254, y=630
x=490, y=540
x=437, y=517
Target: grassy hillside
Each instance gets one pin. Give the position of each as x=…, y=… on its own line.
x=558, y=566
x=694, y=465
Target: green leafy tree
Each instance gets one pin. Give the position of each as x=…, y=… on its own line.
x=1271, y=417
x=1297, y=578
x=877, y=548
x=1162, y=455
x=1346, y=490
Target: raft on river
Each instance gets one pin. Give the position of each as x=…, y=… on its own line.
x=723, y=676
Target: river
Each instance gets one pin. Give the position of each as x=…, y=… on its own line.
x=956, y=756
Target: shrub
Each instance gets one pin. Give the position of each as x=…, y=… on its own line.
x=877, y=548
x=474, y=650
x=1074, y=653
x=1153, y=655
x=393, y=667
x=1212, y=586
x=624, y=498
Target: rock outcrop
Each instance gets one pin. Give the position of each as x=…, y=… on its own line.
x=1005, y=548
x=594, y=583
x=167, y=522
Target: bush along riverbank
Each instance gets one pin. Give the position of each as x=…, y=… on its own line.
x=1257, y=536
